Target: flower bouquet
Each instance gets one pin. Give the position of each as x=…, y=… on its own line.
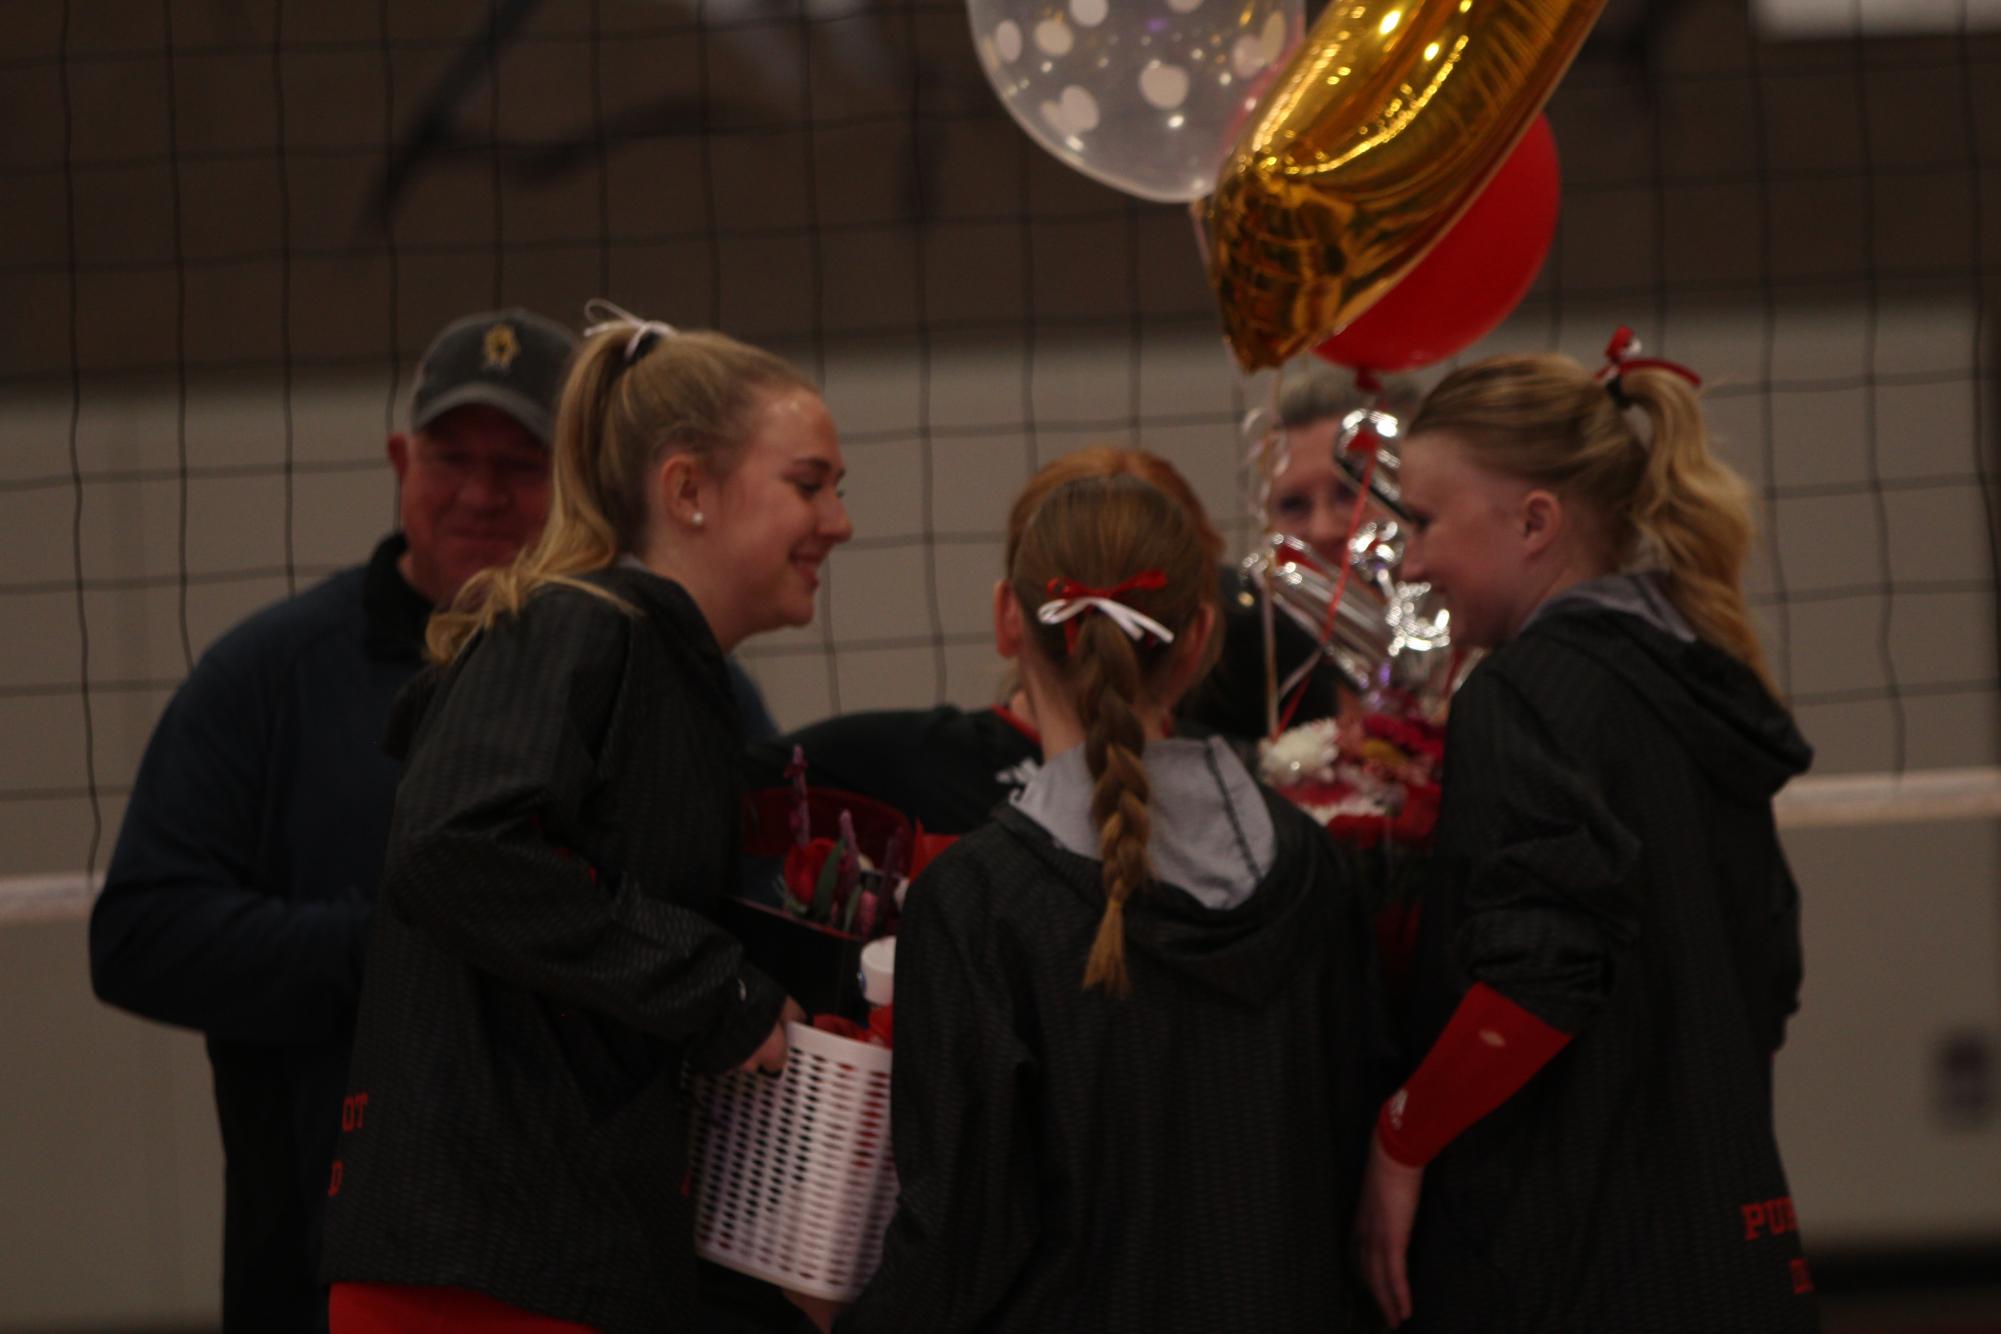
x=1372, y=781
x=1369, y=779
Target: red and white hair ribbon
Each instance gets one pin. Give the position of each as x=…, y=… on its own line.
x=1621, y=355
x=1069, y=600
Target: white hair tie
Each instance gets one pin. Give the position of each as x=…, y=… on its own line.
x=611, y=316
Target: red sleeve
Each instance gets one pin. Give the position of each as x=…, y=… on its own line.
x=1490, y=1048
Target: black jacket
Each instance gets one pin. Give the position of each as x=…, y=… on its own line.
x=238, y=896
x=1182, y=1159
x=545, y=966
x=1606, y=858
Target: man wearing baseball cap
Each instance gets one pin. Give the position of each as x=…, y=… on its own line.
x=473, y=470
x=238, y=897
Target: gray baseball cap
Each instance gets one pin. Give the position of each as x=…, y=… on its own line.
x=513, y=360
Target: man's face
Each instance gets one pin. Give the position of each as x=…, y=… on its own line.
x=475, y=491
x=1313, y=499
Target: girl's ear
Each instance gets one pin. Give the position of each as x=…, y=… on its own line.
x=1007, y=621
x=680, y=483
x=1542, y=520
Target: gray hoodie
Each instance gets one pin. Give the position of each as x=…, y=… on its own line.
x=1211, y=834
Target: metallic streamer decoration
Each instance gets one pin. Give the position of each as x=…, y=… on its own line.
x=1382, y=128
x=1387, y=633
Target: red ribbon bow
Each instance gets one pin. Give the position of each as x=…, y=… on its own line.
x=1069, y=590
x=1619, y=359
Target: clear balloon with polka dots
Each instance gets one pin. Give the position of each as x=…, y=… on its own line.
x=1147, y=96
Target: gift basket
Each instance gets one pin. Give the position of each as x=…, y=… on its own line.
x=794, y=1182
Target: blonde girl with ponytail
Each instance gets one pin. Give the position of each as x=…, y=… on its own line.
x=1628, y=455
x=1611, y=933
x=545, y=964
x=1131, y=1008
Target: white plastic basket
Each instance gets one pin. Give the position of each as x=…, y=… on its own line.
x=793, y=1178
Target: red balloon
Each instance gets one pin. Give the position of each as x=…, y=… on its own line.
x=1468, y=282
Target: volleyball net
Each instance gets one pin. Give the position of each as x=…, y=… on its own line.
x=231, y=230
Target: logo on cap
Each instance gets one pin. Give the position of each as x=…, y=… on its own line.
x=501, y=347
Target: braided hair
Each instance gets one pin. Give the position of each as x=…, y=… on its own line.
x=1098, y=532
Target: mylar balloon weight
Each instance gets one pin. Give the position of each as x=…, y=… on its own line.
x=1478, y=272
x=1145, y=95
x=1381, y=130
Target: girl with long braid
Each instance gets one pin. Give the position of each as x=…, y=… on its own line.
x=1611, y=937
x=1133, y=1009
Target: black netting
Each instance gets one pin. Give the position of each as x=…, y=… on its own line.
x=231, y=228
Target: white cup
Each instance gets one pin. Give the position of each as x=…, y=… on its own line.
x=879, y=970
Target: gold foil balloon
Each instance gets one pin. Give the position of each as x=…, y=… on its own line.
x=1380, y=131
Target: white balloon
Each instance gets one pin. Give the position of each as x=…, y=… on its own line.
x=1143, y=95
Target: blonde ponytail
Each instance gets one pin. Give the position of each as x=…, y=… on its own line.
x=1692, y=513
x=577, y=536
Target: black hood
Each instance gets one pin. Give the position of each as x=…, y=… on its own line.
x=1247, y=952
x=661, y=602
x=1740, y=737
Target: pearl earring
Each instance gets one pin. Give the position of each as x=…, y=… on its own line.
x=697, y=519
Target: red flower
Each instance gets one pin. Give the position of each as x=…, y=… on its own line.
x=1316, y=793
x=1419, y=814
x=840, y=1028
x=803, y=865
